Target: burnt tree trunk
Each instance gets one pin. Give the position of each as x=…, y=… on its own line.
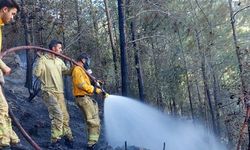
x=174, y=107
x=29, y=54
x=123, y=47
x=216, y=94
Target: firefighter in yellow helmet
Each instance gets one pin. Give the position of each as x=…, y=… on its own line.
x=83, y=90
x=49, y=70
x=8, y=9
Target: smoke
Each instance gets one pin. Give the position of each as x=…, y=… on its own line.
x=142, y=126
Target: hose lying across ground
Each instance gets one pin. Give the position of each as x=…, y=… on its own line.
x=24, y=133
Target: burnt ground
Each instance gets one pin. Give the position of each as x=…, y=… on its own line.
x=34, y=118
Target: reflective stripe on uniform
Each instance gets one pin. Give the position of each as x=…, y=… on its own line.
x=93, y=137
x=80, y=85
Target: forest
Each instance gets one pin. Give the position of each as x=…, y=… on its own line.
x=186, y=58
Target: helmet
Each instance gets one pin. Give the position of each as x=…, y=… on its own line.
x=84, y=56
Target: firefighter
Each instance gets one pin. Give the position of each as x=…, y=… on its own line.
x=83, y=91
x=49, y=70
x=8, y=137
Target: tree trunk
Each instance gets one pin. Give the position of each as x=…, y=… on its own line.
x=207, y=92
x=170, y=107
x=137, y=62
x=29, y=54
x=79, y=26
x=159, y=100
x=93, y=15
x=201, y=107
x=186, y=75
x=40, y=29
x=62, y=25
x=98, y=50
x=112, y=42
x=66, y=79
x=216, y=101
x=244, y=89
x=237, y=48
x=205, y=81
x=123, y=47
x=174, y=107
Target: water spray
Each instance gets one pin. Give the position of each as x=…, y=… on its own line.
x=145, y=127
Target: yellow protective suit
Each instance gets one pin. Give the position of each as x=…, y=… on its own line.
x=49, y=70
x=82, y=90
x=7, y=134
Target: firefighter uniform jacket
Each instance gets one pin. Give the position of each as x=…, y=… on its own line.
x=81, y=82
x=2, y=64
x=49, y=70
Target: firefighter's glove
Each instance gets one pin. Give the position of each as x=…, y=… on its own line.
x=98, y=90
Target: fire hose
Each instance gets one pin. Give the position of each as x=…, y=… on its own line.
x=24, y=133
x=18, y=48
x=14, y=49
